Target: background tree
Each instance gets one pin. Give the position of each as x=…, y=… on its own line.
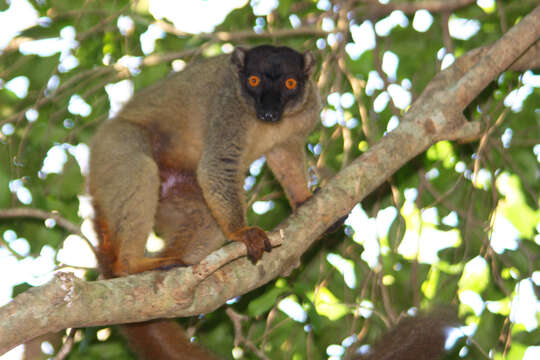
x=457, y=224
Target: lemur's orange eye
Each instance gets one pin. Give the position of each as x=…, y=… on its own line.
x=290, y=84
x=254, y=80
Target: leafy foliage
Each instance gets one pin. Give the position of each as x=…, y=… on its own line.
x=456, y=225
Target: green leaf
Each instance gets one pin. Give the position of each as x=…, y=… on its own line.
x=476, y=275
x=515, y=208
x=266, y=301
x=327, y=304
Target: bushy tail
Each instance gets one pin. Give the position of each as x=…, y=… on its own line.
x=163, y=340
x=150, y=340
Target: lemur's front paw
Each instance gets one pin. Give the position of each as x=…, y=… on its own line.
x=256, y=242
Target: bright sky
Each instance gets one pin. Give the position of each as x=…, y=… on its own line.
x=202, y=16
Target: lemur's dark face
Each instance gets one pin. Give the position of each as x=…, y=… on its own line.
x=273, y=77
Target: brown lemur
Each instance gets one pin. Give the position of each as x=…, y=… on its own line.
x=174, y=160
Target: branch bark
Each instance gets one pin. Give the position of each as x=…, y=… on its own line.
x=436, y=115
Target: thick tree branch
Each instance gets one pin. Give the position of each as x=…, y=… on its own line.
x=498, y=58
x=436, y=115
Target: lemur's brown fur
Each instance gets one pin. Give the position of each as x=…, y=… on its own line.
x=174, y=160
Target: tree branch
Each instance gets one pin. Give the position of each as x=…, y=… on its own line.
x=374, y=9
x=437, y=114
x=243, y=35
x=41, y=214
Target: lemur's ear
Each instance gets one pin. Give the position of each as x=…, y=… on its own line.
x=238, y=57
x=309, y=63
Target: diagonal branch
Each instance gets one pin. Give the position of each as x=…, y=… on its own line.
x=437, y=114
x=41, y=214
